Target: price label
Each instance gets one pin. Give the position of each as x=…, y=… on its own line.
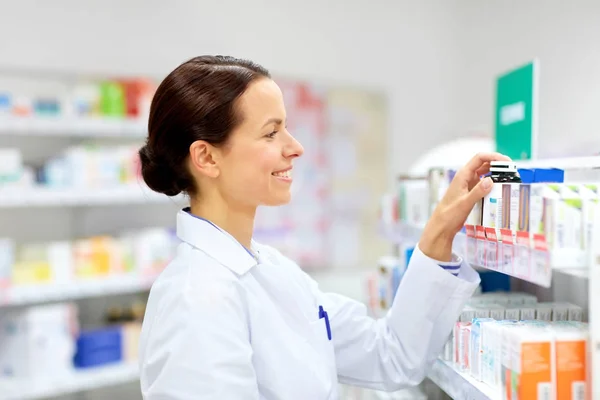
x=541, y=270
x=492, y=248
x=481, y=245
x=492, y=255
x=523, y=256
x=471, y=254
x=522, y=261
x=508, y=258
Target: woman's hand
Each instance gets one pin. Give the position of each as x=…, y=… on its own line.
x=448, y=218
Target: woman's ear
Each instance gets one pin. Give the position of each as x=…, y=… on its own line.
x=203, y=158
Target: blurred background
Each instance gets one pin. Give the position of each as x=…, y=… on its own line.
x=374, y=90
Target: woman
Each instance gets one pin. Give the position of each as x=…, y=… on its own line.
x=230, y=318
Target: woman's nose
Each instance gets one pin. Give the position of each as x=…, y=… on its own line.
x=294, y=148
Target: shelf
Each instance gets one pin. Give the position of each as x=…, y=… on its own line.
x=42, y=197
x=566, y=163
x=82, y=127
x=78, y=381
x=458, y=385
x=40, y=293
x=474, y=251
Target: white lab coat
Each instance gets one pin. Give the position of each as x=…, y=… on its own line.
x=220, y=325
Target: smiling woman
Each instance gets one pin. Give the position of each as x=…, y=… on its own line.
x=232, y=319
x=217, y=132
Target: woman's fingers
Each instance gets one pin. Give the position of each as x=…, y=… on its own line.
x=479, y=161
x=477, y=193
x=484, y=169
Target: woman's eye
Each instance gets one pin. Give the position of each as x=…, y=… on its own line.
x=272, y=134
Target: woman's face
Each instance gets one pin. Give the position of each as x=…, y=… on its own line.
x=256, y=164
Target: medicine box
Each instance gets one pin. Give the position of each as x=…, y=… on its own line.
x=570, y=362
x=476, y=360
x=527, y=368
x=99, y=346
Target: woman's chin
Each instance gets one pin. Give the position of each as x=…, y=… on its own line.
x=279, y=200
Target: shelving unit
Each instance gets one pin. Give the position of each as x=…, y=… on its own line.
x=73, y=197
x=458, y=385
x=79, y=381
x=462, y=386
x=71, y=213
x=39, y=293
x=83, y=127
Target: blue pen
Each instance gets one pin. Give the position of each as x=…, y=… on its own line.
x=323, y=314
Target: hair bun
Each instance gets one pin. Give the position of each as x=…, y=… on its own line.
x=158, y=174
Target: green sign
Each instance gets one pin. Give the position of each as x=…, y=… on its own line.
x=516, y=112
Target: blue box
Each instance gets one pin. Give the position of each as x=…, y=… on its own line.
x=99, y=347
x=549, y=175
x=527, y=175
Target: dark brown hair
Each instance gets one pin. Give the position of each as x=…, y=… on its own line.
x=197, y=101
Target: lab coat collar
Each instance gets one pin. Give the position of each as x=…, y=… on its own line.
x=214, y=241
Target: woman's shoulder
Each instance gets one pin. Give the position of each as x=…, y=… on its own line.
x=193, y=273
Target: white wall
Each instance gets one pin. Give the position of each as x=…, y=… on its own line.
x=497, y=35
x=404, y=47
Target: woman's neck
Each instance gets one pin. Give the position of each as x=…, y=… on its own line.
x=239, y=223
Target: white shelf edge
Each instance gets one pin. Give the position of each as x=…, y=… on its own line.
x=52, y=126
x=13, y=197
x=76, y=381
x=459, y=385
x=43, y=293
x=566, y=163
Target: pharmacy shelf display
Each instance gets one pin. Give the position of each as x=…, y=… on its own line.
x=20, y=295
x=54, y=155
x=459, y=385
x=77, y=127
x=79, y=381
x=70, y=197
x=522, y=262
x=540, y=256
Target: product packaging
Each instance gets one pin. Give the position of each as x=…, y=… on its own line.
x=465, y=318
x=504, y=197
x=528, y=312
x=570, y=362
x=438, y=180
x=388, y=212
x=528, y=363
x=31, y=264
x=543, y=311
x=7, y=259
x=503, y=355
x=413, y=201
x=37, y=341
x=464, y=346
x=11, y=166
x=476, y=347
x=564, y=227
x=589, y=207
x=512, y=312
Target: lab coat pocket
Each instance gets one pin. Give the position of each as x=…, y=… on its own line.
x=321, y=341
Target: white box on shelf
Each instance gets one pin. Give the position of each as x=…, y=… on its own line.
x=7, y=259
x=36, y=341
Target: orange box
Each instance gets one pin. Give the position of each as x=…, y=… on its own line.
x=570, y=362
x=528, y=369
